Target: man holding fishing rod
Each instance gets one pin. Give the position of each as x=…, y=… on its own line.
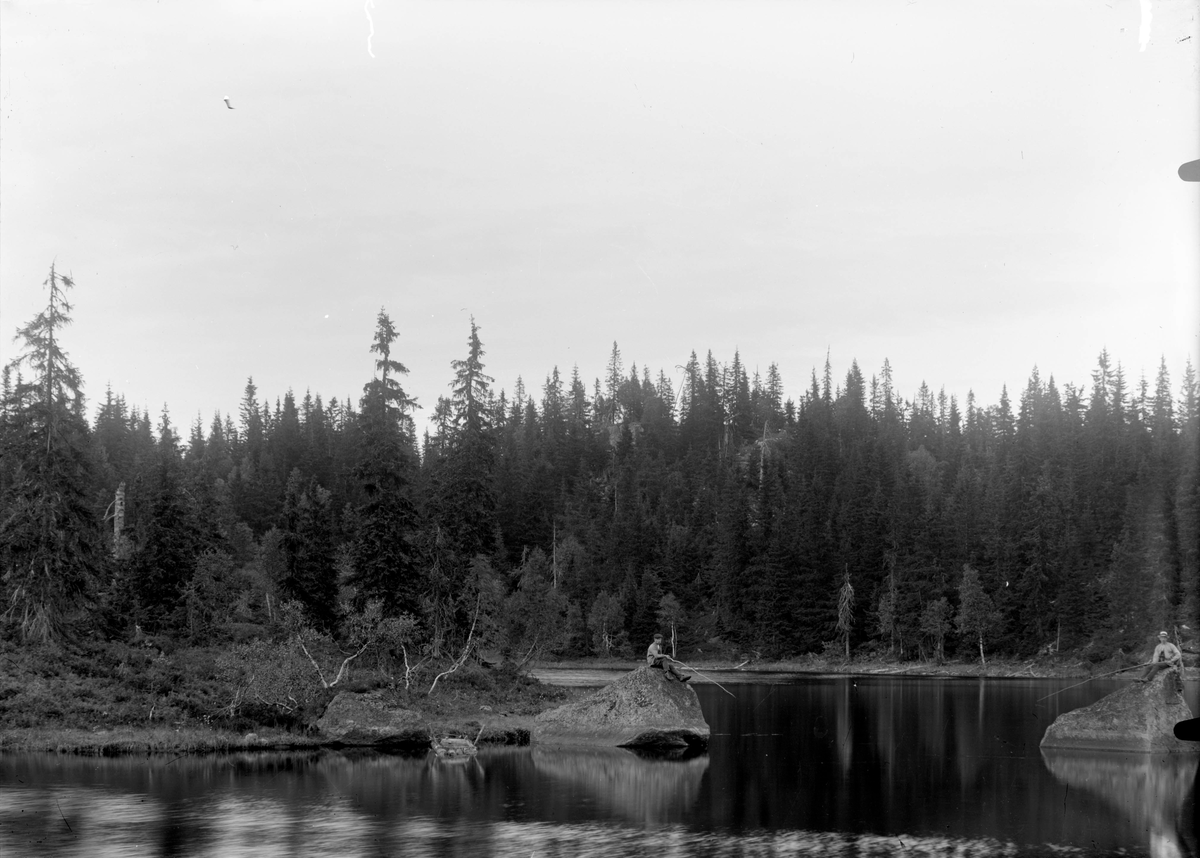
x=1166, y=655
x=655, y=657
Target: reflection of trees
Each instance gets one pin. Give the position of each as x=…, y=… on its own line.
x=845, y=728
x=1151, y=791
x=957, y=756
x=643, y=790
x=967, y=719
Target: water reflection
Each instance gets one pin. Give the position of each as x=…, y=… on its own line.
x=825, y=767
x=1155, y=793
x=644, y=790
x=921, y=757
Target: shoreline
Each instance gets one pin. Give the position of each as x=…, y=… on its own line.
x=998, y=669
x=128, y=740
x=492, y=729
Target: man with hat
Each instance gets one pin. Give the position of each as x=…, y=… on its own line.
x=1166, y=655
x=655, y=657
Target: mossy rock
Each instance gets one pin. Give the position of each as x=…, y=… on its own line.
x=643, y=709
x=365, y=719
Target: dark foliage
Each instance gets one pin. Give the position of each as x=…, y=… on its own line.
x=1076, y=511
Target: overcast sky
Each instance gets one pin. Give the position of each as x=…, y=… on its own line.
x=968, y=189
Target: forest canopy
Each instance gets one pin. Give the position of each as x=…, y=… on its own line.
x=571, y=520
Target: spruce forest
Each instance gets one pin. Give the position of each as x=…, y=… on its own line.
x=570, y=518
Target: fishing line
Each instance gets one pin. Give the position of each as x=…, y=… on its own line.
x=1090, y=678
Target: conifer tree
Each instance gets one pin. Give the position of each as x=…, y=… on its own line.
x=845, y=620
x=252, y=428
x=612, y=386
x=467, y=497
x=383, y=554
x=385, y=392
x=50, y=552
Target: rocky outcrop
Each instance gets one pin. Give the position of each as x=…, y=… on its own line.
x=1139, y=717
x=642, y=709
x=365, y=719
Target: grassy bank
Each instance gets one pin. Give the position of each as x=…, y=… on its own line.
x=110, y=698
x=144, y=740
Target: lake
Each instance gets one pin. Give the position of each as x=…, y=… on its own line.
x=846, y=766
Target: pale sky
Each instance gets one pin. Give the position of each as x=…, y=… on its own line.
x=968, y=189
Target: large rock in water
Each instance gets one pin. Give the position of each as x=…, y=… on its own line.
x=642, y=709
x=365, y=719
x=1140, y=717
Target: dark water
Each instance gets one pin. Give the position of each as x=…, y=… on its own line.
x=797, y=766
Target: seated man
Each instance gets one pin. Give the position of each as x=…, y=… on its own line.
x=1166, y=655
x=656, y=658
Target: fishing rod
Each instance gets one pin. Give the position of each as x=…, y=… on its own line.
x=1090, y=678
x=709, y=678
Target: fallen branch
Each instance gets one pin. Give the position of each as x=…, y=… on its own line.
x=461, y=660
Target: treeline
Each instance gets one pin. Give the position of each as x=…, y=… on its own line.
x=569, y=521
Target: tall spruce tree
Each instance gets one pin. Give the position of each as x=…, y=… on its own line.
x=383, y=555
x=468, y=495
x=50, y=548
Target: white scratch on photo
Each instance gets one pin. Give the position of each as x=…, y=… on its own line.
x=367, y=9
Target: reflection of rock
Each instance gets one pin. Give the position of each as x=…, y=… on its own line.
x=1151, y=791
x=1139, y=717
x=640, y=709
x=636, y=788
x=364, y=719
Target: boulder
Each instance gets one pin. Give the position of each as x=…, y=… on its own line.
x=1139, y=717
x=643, y=709
x=365, y=719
